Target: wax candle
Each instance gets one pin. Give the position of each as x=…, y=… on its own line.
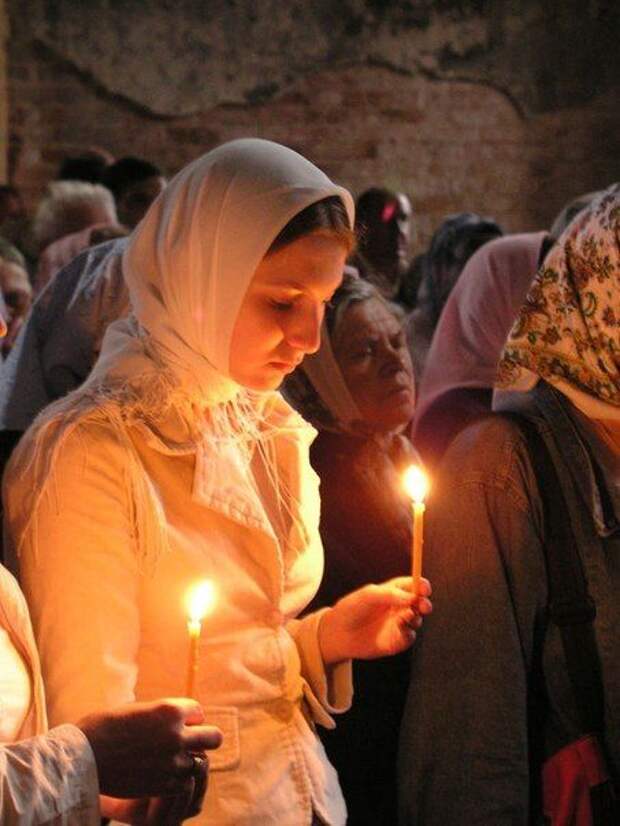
x=199, y=601
x=416, y=484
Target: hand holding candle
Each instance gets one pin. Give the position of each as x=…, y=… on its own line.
x=199, y=600
x=416, y=485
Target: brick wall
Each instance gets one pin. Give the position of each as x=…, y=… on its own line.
x=451, y=145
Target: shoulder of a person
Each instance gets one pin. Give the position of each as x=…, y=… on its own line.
x=92, y=439
x=493, y=450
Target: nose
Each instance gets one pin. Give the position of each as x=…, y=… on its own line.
x=303, y=332
x=392, y=361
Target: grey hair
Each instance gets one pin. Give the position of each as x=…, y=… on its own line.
x=352, y=290
x=70, y=206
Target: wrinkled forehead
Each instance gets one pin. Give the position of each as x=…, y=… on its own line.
x=370, y=317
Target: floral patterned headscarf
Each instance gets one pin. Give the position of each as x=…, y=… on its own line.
x=568, y=331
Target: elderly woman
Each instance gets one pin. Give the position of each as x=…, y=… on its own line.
x=177, y=461
x=491, y=700
x=358, y=391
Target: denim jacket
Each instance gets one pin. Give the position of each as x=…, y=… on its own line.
x=465, y=744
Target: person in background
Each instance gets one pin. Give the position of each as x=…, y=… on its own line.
x=11, y=205
x=461, y=366
x=456, y=240
x=135, y=184
x=569, y=211
x=16, y=291
x=144, y=751
x=358, y=391
x=88, y=167
x=61, y=337
x=60, y=340
x=72, y=215
x=177, y=460
x=383, y=229
x=491, y=699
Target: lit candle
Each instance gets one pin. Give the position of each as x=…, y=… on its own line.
x=199, y=601
x=416, y=484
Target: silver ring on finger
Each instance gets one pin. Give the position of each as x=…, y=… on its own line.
x=199, y=765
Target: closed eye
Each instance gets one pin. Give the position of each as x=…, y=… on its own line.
x=282, y=306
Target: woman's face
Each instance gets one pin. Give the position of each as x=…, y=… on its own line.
x=371, y=349
x=281, y=314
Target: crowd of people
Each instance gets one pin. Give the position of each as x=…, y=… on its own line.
x=224, y=377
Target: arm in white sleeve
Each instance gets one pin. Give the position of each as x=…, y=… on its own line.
x=50, y=779
x=79, y=571
x=332, y=686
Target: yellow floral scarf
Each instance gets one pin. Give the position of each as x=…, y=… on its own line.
x=568, y=330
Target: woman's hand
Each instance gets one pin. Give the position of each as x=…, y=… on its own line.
x=374, y=621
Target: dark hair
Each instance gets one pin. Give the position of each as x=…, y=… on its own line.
x=352, y=290
x=370, y=204
x=88, y=167
x=328, y=216
x=127, y=171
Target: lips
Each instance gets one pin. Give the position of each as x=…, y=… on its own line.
x=402, y=386
x=285, y=366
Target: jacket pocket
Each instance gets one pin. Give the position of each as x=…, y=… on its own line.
x=225, y=718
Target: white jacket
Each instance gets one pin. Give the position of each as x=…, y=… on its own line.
x=112, y=627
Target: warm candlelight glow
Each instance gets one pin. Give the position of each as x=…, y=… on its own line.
x=416, y=483
x=199, y=600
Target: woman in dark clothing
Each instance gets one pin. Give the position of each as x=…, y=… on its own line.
x=491, y=699
x=358, y=391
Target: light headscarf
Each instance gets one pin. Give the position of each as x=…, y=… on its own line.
x=568, y=330
x=317, y=388
x=188, y=265
x=478, y=315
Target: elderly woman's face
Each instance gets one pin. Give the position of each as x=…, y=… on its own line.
x=280, y=318
x=371, y=349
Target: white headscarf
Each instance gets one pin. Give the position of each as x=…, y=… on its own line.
x=188, y=266
x=189, y=263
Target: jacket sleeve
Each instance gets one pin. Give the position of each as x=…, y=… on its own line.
x=50, y=779
x=329, y=689
x=464, y=738
x=79, y=571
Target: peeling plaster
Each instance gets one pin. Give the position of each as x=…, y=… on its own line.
x=180, y=57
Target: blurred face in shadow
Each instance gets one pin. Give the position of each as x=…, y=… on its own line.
x=371, y=349
x=389, y=236
x=132, y=204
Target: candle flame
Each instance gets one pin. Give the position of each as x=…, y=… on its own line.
x=416, y=483
x=200, y=599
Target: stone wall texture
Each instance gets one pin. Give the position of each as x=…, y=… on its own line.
x=505, y=107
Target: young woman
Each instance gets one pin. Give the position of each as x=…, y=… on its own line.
x=176, y=462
